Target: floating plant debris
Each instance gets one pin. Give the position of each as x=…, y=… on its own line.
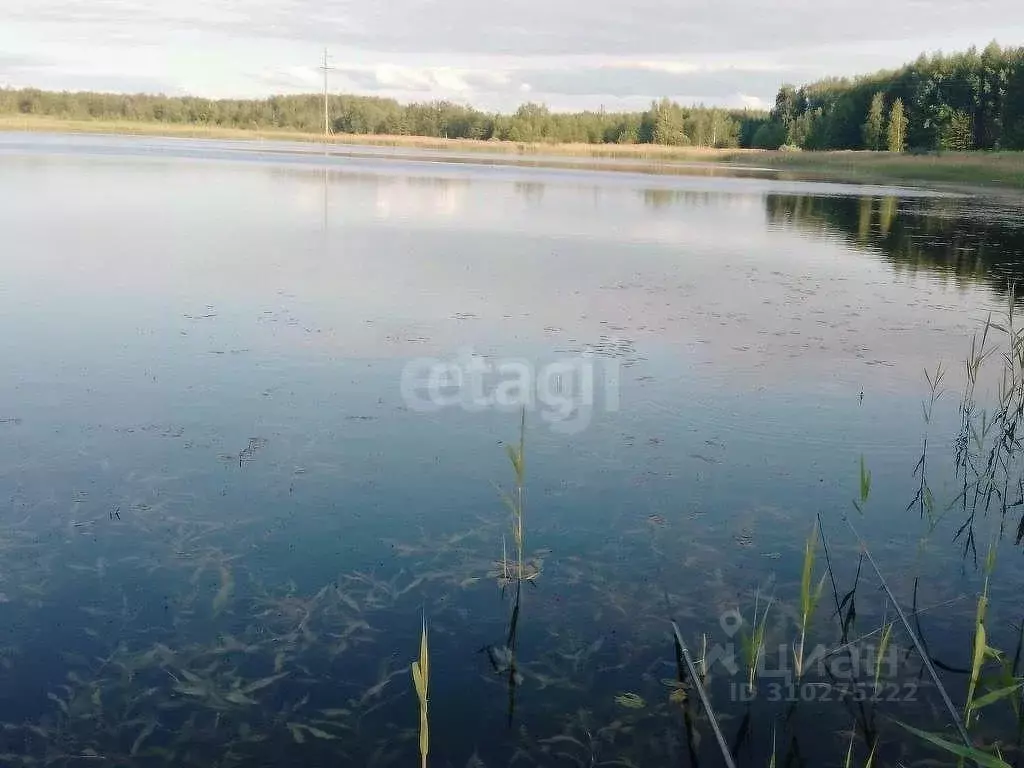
x=248, y=453
x=630, y=701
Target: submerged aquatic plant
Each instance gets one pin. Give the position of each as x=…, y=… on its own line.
x=421, y=678
x=515, y=677
x=630, y=700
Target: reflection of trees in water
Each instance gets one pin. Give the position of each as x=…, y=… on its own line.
x=317, y=175
x=384, y=193
x=936, y=235
x=530, y=191
x=440, y=183
x=662, y=198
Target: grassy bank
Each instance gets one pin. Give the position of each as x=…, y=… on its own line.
x=960, y=168
x=1004, y=169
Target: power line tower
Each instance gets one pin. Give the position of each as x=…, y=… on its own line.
x=327, y=118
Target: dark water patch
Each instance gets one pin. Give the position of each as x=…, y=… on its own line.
x=971, y=241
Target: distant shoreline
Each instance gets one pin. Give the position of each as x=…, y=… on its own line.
x=650, y=152
x=970, y=170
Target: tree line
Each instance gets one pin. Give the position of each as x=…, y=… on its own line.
x=963, y=101
x=958, y=102
x=666, y=122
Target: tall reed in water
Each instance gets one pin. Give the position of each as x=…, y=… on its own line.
x=983, y=652
x=924, y=499
x=753, y=642
x=421, y=678
x=516, y=501
x=809, y=597
x=988, y=455
x=848, y=763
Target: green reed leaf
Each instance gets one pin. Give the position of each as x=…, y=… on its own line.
x=982, y=759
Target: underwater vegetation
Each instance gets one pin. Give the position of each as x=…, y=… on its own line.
x=175, y=634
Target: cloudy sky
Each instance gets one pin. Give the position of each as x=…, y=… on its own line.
x=569, y=54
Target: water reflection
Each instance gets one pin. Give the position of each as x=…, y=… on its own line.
x=420, y=197
x=410, y=197
x=663, y=198
x=946, y=236
x=532, y=192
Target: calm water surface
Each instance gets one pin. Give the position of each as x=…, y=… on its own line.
x=224, y=518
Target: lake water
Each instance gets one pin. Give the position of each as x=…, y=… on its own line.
x=235, y=480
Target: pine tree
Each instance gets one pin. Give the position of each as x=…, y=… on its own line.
x=897, y=133
x=874, y=127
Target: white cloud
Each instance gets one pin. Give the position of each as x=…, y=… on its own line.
x=669, y=67
x=449, y=80
x=307, y=75
x=734, y=52
x=401, y=78
x=752, y=102
x=702, y=63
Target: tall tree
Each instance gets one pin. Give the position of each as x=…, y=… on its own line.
x=897, y=132
x=874, y=126
x=669, y=124
x=1012, y=118
x=787, y=105
x=769, y=135
x=956, y=132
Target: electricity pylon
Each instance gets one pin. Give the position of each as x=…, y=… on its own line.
x=327, y=118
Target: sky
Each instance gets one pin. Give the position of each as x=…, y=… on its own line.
x=568, y=54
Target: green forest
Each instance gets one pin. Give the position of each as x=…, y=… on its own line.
x=958, y=102
x=664, y=123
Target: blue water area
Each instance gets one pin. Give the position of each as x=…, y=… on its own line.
x=255, y=416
